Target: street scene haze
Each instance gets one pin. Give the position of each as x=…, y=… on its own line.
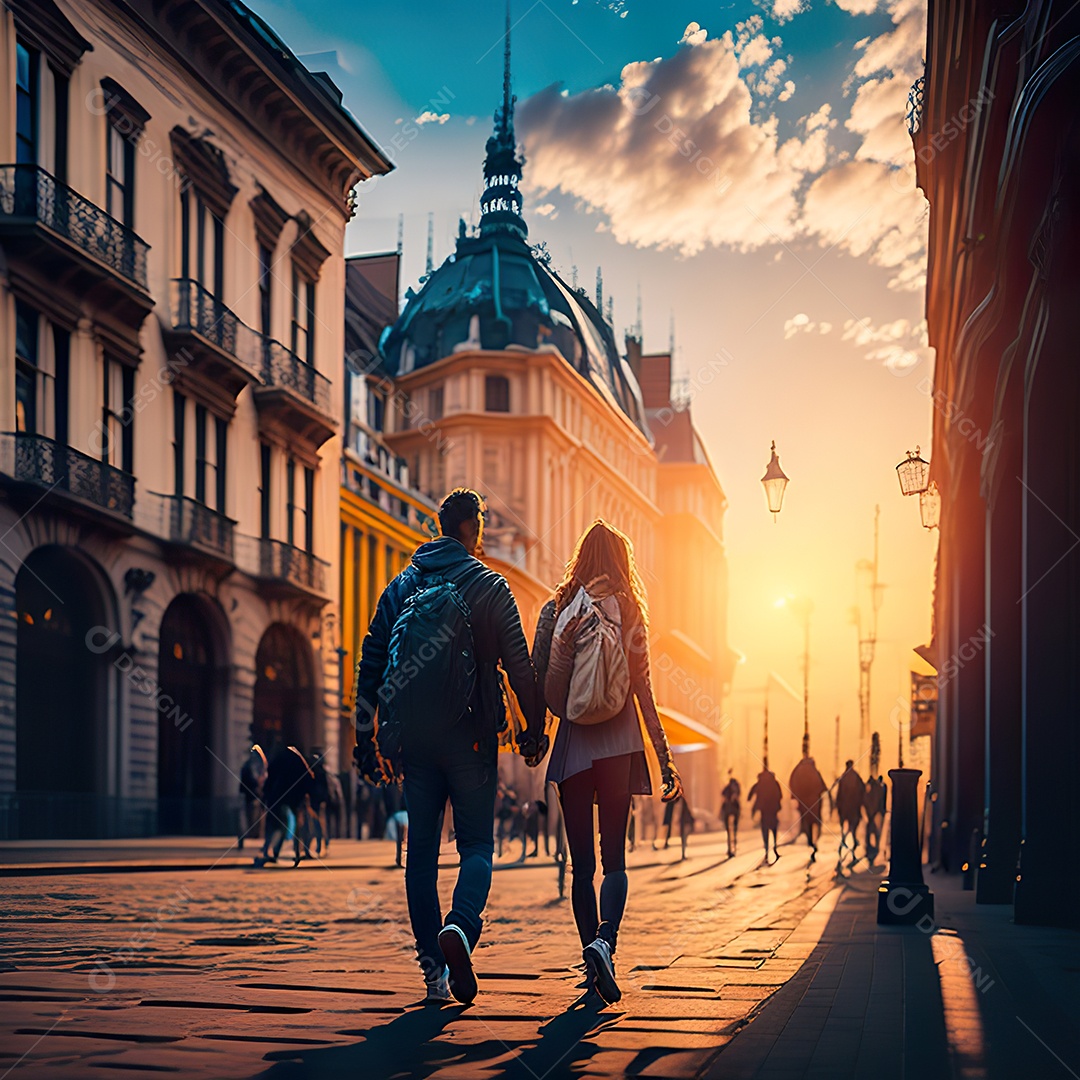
x=539, y=539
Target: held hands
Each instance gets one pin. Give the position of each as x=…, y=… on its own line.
x=673, y=788
x=533, y=748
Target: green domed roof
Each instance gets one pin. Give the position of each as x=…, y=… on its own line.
x=495, y=291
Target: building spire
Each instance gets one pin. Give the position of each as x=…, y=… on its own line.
x=508, y=96
x=500, y=204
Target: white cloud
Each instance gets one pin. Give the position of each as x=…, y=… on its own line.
x=678, y=153
x=547, y=210
x=694, y=34
x=898, y=345
x=672, y=157
x=783, y=10
x=429, y=117
x=857, y=7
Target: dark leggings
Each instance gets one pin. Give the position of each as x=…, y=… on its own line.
x=608, y=784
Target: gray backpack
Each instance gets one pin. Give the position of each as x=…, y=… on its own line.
x=587, y=641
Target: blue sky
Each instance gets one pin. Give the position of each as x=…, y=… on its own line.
x=796, y=256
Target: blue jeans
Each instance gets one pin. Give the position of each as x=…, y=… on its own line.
x=466, y=773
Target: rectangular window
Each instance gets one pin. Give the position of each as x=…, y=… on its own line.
x=62, y=354
x=357, y=555
x=290, y=502
x=60, y=132
x=376, y=410
x=497, y=393
x=26, y=104
x=26, y=368
x=373, y=586
x=222, y=461
x=266, y=262
x=303, y=316
x=264, y=490
x=200, y=240
x=179, y=441
x=118, y=443
x=435, y=403
x=309, y=509
x=200, y=453
x=219, y=256
x=298, y=330
x=391, y=563
x=119, y=176
x=309, y=295
x=185, y=233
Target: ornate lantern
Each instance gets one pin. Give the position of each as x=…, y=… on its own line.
x=775, y=481
x=913, y=473
x=930, y=506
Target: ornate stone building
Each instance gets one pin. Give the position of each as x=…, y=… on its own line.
x=996, y=138
x=505, y=378
x=173, y=205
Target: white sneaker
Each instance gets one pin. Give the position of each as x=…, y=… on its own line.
x=597, y=957
x=438, y=989
x=455, y=948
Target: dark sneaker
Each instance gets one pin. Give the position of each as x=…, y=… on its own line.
x=597, y=957
x=455, y=947
x=438, y=989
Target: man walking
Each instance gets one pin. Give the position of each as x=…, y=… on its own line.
x=850, y=794
x=429, y=706
x=730, y=807
x=807, y=787
x=767, y=798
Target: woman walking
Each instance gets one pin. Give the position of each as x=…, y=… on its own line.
x=600, y=762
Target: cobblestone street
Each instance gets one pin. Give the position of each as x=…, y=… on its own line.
x=238, y=972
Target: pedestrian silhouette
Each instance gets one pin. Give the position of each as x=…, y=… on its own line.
x=850, y=791
x=767, y=798
x=807, y=787
x=288, y=784
x=730, y=808
x=252, y=780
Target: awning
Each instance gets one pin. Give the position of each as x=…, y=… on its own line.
x=685, y=733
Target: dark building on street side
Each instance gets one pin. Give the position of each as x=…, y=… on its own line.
x=997, y=141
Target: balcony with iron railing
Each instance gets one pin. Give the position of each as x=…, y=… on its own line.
x=72, y=242
x=281, y=565
x=294, y=395
x=209, y=342
x=188, y=524
x=40, y=462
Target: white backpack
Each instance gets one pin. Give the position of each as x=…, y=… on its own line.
x=599, y=673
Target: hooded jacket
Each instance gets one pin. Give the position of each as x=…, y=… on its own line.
x=497, y=637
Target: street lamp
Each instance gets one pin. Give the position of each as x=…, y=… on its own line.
x=930, y=506
x=775, y=481
x=912, y=473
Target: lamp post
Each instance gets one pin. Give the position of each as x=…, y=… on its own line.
x=774, y=481
x=803, y=606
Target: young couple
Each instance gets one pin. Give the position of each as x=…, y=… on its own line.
x=449, y=750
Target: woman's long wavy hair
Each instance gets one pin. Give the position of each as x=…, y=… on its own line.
x=603, y=552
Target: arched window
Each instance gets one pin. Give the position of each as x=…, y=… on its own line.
x=497, y=393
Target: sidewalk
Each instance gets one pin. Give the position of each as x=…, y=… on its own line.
x=973, y=996
x=164, y=854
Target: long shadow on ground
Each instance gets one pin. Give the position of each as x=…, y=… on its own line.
x=409, y=1045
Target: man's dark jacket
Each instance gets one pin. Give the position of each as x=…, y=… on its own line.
x=497, y=637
